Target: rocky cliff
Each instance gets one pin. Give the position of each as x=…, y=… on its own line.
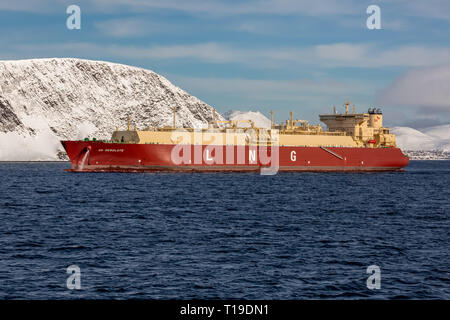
x=45, y=100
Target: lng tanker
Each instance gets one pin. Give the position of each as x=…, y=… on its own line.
x=351, y=142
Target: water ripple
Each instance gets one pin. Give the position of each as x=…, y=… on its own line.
x=224, y=236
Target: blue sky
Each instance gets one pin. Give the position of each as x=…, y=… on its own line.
x=284, y=55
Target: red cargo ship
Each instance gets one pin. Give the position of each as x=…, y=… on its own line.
x=352, y=142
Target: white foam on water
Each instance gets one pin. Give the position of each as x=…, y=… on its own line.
x=83, y=161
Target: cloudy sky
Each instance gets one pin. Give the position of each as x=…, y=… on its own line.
x=284, y=55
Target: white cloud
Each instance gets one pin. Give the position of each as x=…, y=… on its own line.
x=431, y=8
x=136, y=27
x=40, y=6
x=209, y=52
x=307, y=97
x=124, y=27
x=359, y=55
x=436, y=9
x=274, y=89
x=374, y=56
x=425, y=87
x=221, y=7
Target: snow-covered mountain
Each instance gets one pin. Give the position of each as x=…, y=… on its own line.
x=441, y=132
x=257, y=117
x=45, y=100
x=433, y=138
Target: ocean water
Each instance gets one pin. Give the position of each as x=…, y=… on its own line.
x=224, y=235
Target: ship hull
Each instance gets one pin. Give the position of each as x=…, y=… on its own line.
x=97, y=156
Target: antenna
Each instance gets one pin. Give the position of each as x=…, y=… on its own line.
x=271, y=119
x=128, y=120
x=174, y=116
x=292, y=120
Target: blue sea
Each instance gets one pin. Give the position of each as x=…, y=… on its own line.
x=224, y=235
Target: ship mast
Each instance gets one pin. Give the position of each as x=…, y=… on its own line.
x=271, y=119
x=174, y=117
x=292, y=120
x=346, y=106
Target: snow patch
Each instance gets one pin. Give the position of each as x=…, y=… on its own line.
x=16, y=147
x=428, y=139
x=257, y=117
x=85, y=130
x=441, y=132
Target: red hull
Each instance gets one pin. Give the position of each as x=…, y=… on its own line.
x=99, y=156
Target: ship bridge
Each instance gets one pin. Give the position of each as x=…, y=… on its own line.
x=365, y=128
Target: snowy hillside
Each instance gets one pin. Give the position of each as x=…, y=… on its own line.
x=433, y=138
x=442, y=132
x=257, y=117
x=412, y=139
x=45, y=100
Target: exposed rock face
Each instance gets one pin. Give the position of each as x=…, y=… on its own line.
x=8, y=119
x=73, y=98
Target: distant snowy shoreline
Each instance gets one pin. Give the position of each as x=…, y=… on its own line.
x=427, y=155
